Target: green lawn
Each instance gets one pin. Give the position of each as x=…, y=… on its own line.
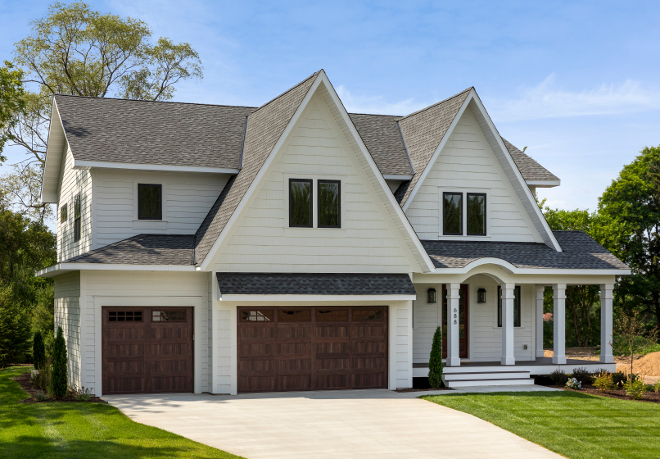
x=82, y=430
x=575, y=425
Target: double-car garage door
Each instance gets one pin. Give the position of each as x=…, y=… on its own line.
x=311, y=348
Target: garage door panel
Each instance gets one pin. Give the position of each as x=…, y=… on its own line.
x=312, y=348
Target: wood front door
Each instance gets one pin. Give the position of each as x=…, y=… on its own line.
x=462, y=322
x=311, y=348
x=147, y=350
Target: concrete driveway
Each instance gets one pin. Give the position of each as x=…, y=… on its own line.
x=333, y=424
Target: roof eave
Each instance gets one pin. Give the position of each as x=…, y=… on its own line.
x=62, y=268
x=86, y=165
x=543, y=183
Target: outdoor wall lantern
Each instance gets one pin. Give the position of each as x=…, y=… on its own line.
x=481, y=295
x=430, y=296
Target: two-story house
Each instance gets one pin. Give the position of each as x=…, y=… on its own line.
x=295, y=246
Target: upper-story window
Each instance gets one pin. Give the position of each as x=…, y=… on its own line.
x=150, y=202
x=517, y=322
x=452, y=211
x=77, y=218
x=300, y=203
x=476, y=214
x=329, y=204
x=63, y=214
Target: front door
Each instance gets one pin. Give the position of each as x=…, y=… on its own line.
x=462, y=322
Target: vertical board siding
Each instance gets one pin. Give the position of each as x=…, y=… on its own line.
x=485, y=337
x=186, y=201
x=72, y=182
x=141, y=285
x=467, y=163
x=261, y=237
x=68, y=316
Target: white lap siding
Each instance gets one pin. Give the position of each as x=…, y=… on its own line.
x=68, y=316
x=426, y=318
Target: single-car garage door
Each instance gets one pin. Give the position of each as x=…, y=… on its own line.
x=311, y=348
x=147, y=350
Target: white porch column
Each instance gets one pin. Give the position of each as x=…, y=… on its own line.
x=453, y=359
x=540, y=289
x=559, y=323
x=507, y=324
x=606, y=330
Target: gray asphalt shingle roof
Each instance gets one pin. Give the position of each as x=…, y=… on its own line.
x=580, y=251
x=381, y=136
x=528, y=167
x=314, y=284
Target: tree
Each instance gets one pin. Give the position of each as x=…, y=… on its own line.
x=58, y=381
x=75, y=50
x=630, y=332
x=435, y=360
x=630, y=206
x=38, y=351
x=12, y=102
x=14, y=329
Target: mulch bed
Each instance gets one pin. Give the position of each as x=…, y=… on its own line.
x=648, y=396
x=27, y=386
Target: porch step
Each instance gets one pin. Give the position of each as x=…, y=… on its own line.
x=487, y=378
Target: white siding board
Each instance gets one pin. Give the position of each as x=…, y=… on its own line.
x=68, y=316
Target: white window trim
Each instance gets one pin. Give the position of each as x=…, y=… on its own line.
x=315, y=211
x=150, y=224
x=464, y=192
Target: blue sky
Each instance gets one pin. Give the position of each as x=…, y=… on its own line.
x=577, y=83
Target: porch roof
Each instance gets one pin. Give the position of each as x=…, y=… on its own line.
x=580, y=251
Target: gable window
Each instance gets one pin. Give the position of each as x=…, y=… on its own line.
x=329, y=203
x=63, y=214
x=476, y=214
x=77, y=221
x=452, y=212
x=300, y=203
x=516, y=306
x=150, y=202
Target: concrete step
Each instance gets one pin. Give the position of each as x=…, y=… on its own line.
x=486, y=375
x=490, y=382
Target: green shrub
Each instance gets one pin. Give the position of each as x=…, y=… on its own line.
x=656, y=387
x=41, y=378
x=583, y=375
x=38, y=351
x=604, y=381
x=58, y=381
x=435, y=360
x=83, y=395
x=618, y=378
x=558, y=377
x=635, y=388
x=40, y=396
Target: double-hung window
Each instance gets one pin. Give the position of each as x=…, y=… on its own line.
x=516, y=306
x=452, y=211
x=150, y=202
x=476, y=214
x=77, y=220
x=300, y=203
x=329, y=204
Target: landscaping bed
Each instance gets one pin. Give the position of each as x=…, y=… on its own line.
x=614, y=393
x=28, y=386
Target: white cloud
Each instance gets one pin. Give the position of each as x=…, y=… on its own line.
x=546, y=100
x=376, y=105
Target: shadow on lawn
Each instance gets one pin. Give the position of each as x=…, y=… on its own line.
x=34, y=446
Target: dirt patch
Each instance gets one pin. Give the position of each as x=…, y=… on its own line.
x=649, y=365
x=27, y=386
x=580, y=353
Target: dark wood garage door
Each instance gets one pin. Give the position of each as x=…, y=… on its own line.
x=311, y=348
x=147, y=350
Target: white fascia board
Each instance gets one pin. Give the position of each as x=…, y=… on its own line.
x=315, y=298
x=390, y=196
x=535, y=208
x=433, y=159
x=511, y=269
x=54, y=157
x=402, y=178
x=543, y=183
x=255, y=183
x=78, y=164
x=61, y=268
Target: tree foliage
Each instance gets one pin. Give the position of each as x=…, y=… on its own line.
x=12, y=102
x=59, y=380
x=14, y=329
x=435, y=360
x=632, y=336
x=38, y=351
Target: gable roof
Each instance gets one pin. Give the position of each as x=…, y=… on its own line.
x=264, y=128
x=580, y=251
x=382, y=137
x=528, y=167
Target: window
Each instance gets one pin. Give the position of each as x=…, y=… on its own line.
x=125, y=316
x=261, y=315
x=294, y=315
x=300, y=203
x=360, y=315
x=150, y=202
x=168, y=316
x=76, y=218
x=329, y=205
x=63, y=214
x=476, y=214
x=516, y=306
x=452, y=213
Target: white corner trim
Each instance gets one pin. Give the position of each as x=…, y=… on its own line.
x=543, y=183
x=403, y=178
x=61, y=268
x=434, y=158
x=255, y=183
x=313, y=298
x=79, y=164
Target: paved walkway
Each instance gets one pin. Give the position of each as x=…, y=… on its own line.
x=331, y=424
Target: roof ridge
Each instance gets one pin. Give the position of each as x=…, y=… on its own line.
x=287, y=91
x=437, y=103
x=154, y=101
